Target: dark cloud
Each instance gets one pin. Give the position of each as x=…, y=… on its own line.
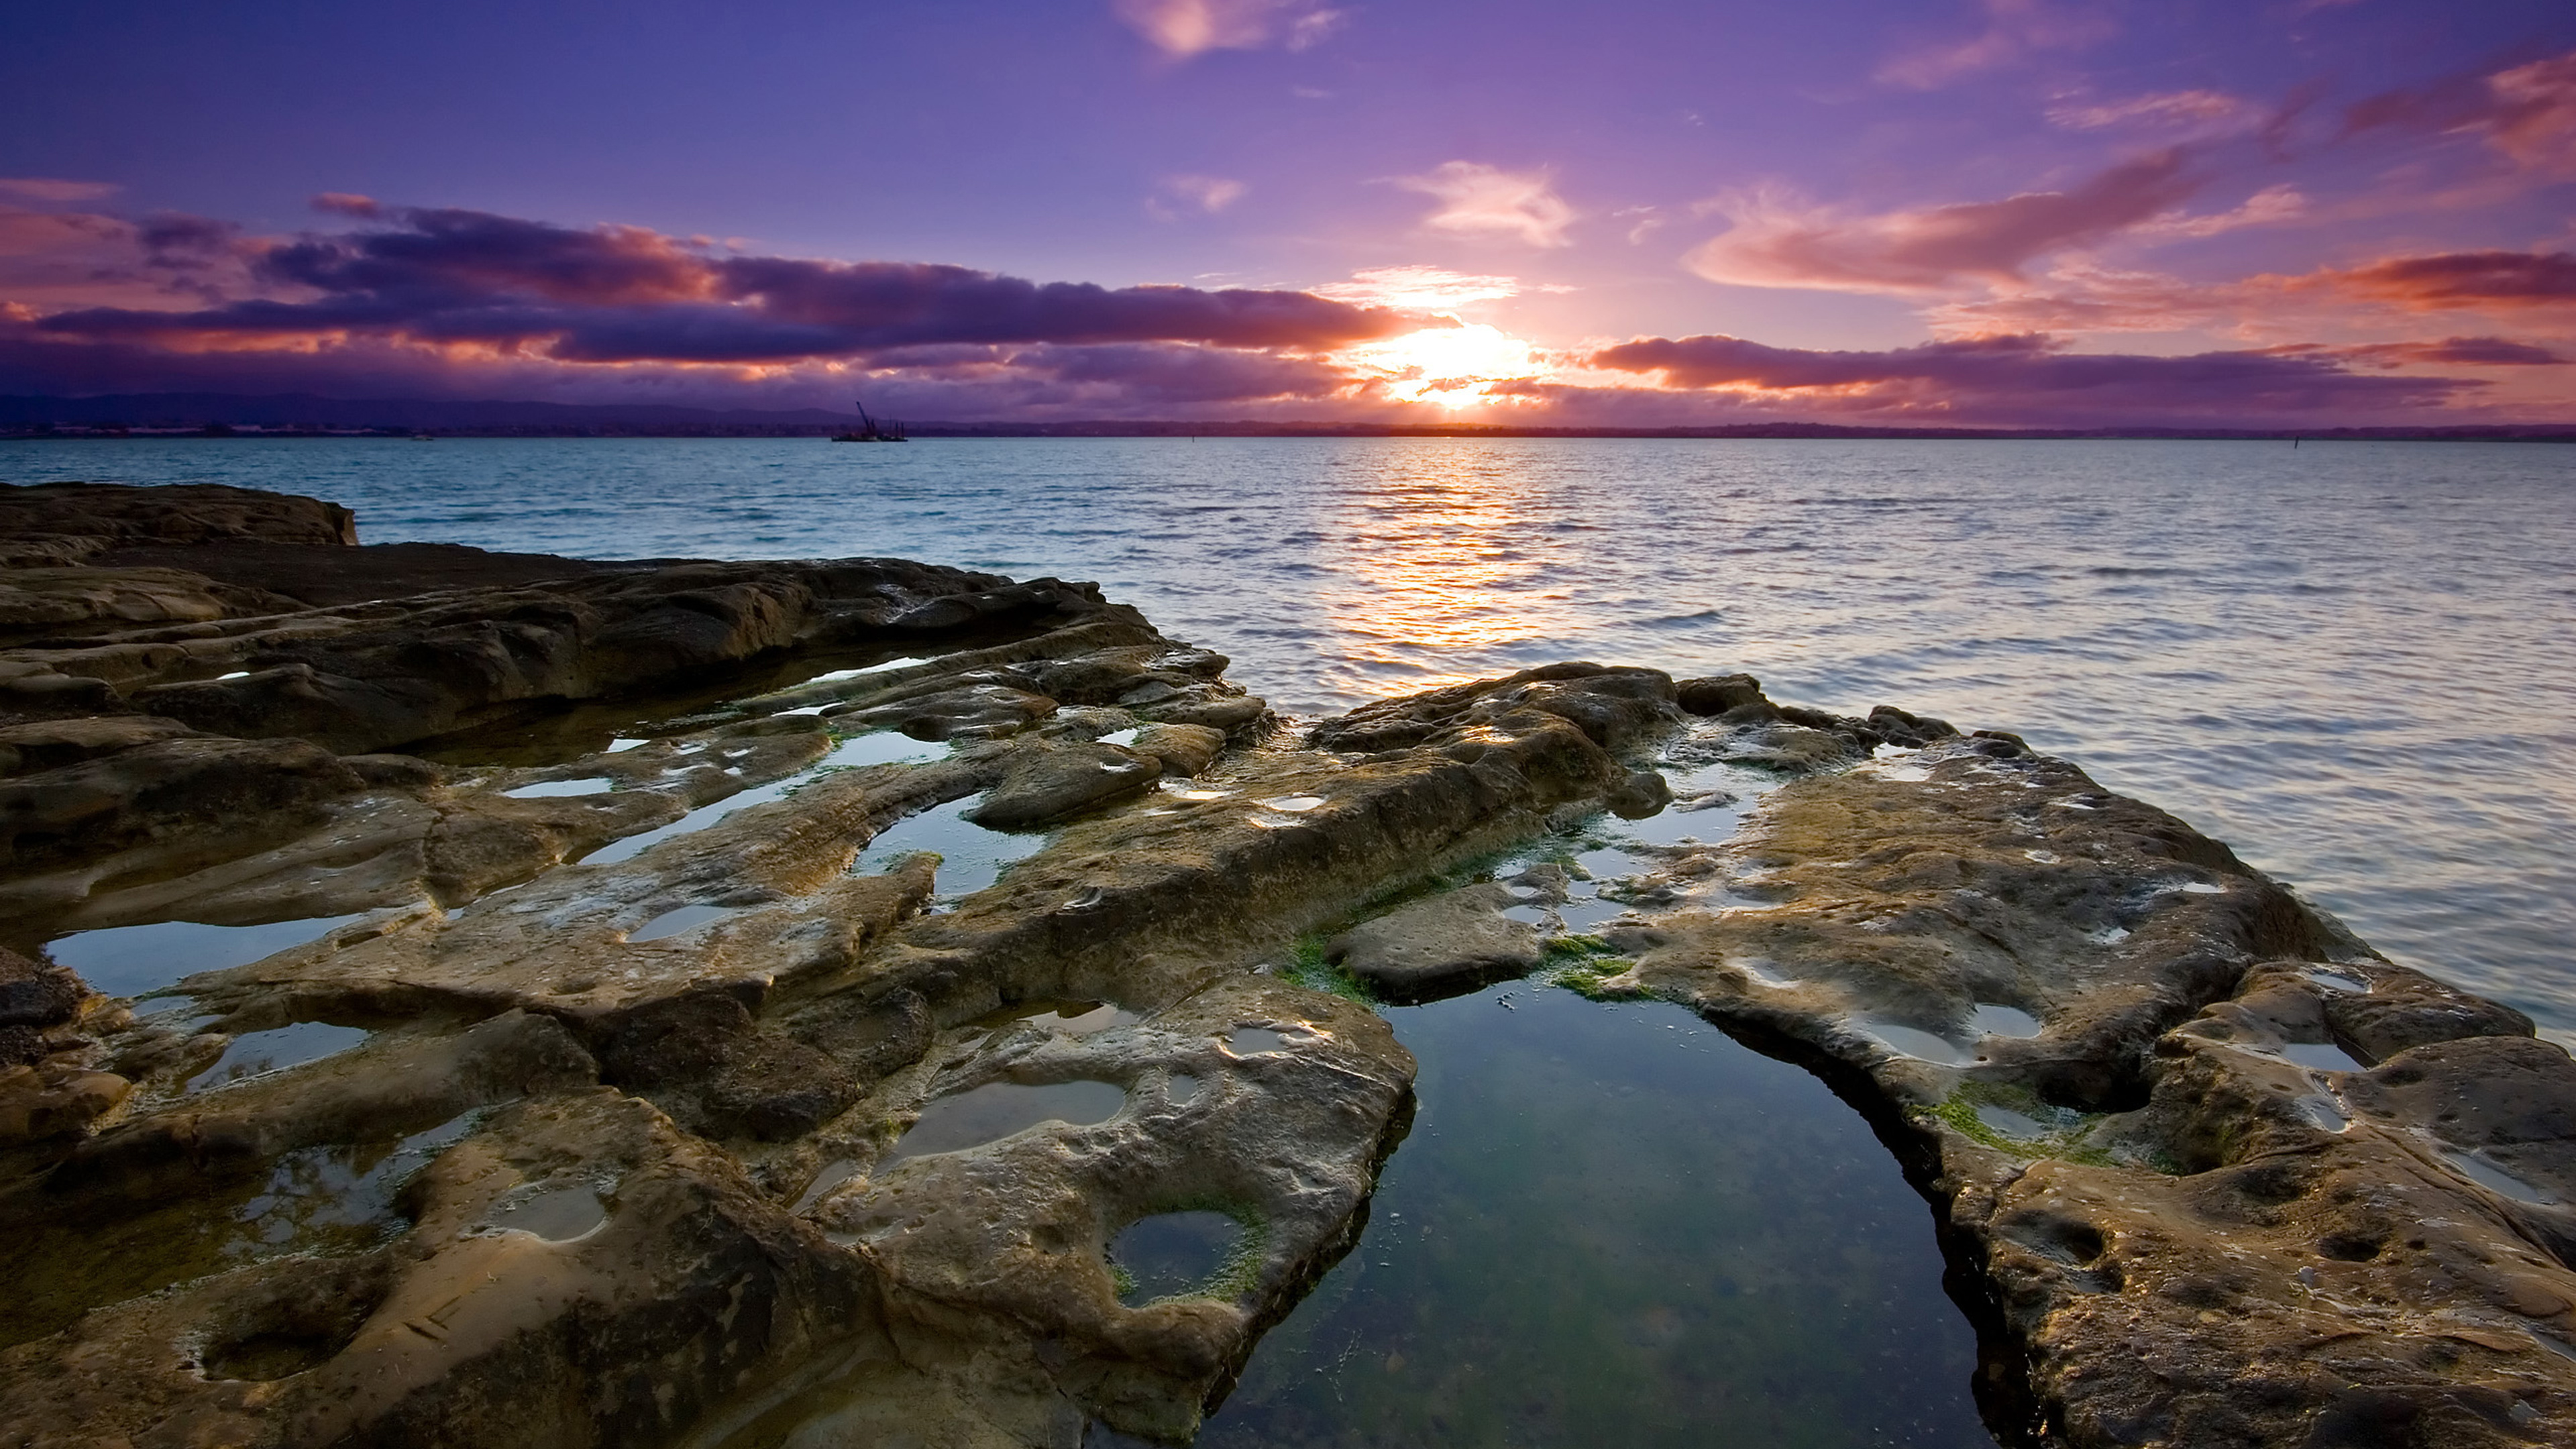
x=2027, y=377
x=615, y=294
x=2448, y=351
x=2460, y=279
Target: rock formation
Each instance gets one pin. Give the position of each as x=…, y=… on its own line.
x=629, y=1081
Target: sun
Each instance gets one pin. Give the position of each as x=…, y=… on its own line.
x=1450, y=367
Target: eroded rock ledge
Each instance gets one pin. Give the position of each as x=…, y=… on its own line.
x=632, y=1082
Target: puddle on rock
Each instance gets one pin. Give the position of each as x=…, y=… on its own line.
x=1063, y=1018
x=1600, y=1231
x=1246, y=1041
x=673, y=922
x=1293, y=804
x=1121, y=738
x=543, y=789
x=2322, y=1112
x=1172, y=1255
x=971, y=857
x=257, y=1053
x=1990, y=1019
x=1907, y=1041
x=997, y=1110
x=878, y=747
x=837, y=675
x=834, y=1173
x=2009, y=1123
x=320, y=1200
x=1180, y=1089
x=2475, y=1167
x=2321, y=1056
x=2336, y=981
x=557, y=1215
x=132, y=960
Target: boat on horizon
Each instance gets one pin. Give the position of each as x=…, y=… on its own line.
x=872, y=431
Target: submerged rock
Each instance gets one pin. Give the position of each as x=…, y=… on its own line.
x=1446, y=945
x=579, y=1089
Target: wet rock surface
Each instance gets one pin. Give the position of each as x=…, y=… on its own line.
x=453, y=1009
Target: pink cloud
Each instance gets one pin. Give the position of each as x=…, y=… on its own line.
x=1477, y=200
x=2027, y=377
x=2525, y=113
x=52, y=189
x=1940, y=248
x=1183, y=28
x=2199, y=112
x=2495, y=280
x=2015, y=30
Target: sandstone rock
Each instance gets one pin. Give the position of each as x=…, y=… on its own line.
x=195, y=513
x=1719, y=694
x=1050, y=780
x=1182, y=749
x=1449, y=944
x=65, y=603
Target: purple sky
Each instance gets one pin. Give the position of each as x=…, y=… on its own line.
x=1998, y=211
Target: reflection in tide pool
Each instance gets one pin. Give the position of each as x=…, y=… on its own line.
x=970, y=856
x=1612, y=1225
x=131, y=960
x=877, y=747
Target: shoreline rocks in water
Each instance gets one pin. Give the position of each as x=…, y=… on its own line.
x=630, y=1080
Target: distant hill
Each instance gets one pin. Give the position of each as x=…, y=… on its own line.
x=165, y=412
x=304, y=411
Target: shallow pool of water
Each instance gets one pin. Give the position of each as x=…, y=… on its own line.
x=997, y=1110
x=877, y=747
x=1613, y=1225
x=131, y=960
x=970, y=856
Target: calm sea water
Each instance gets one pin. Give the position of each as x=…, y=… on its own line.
x=2350, y=661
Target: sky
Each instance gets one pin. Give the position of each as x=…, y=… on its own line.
x=1946, y=212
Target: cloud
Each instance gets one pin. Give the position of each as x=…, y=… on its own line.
x=1184, y=28
x=1205, y=194
x=1775, y=243
x=449, y=278
x=1423, y=288
x=2030, y=376
x=2201, y=113
x=2529, y=289
x=1481, y=201
x=2442, y=352
x=2445, y=281
x=2271, y=206
x=49, y=189
x=54, y=259
x=2014, y=30
x=2526, y=113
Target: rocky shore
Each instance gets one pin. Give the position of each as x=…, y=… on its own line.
x=737, y=1004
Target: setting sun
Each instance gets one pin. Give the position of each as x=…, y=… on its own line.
x=1451, y=367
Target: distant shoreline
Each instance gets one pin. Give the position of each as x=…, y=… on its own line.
x=999, y=431
x=307, y=415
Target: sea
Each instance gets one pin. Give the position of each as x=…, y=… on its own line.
x=1614, y=1223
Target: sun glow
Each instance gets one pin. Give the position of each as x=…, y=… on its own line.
x=1451, y=367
